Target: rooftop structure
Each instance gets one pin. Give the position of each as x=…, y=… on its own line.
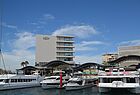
x=126, y=61
x=129, y=50
x=109, y=57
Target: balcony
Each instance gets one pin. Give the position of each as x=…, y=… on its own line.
x=65, y=46
x=63, y=56
x=65, y=41
x=64, y=51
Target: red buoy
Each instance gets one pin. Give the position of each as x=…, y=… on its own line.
x=60, y=79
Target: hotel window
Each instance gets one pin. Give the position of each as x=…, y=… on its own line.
x=68, y=39
x=68, y=54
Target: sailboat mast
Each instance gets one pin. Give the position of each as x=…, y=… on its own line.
x=1, y=17
x=1, y=30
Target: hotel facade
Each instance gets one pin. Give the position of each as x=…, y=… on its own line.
x=50, y=48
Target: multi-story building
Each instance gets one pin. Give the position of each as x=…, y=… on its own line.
x=49, y=48
x=129, y=50
x=129, y=54
x=109, y=57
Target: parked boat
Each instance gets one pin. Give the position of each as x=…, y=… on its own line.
x=14, y=81
x=80, y=81
x=118, y=78
x=54, y=81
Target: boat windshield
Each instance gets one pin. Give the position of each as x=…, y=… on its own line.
x=78, y=82
x=50, y=78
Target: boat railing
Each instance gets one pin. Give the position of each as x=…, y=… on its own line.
x=103, y=73
x=86, y=76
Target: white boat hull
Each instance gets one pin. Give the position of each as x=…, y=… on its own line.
x=117, y=86
x=11, y=86
x=119, y=80
x=12, y=81
x=52, y=85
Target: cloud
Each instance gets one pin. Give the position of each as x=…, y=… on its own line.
x=9, y=26
x=81, y=31
x=21, y=50
x=25, y=40
x=130, y=43
x=86, y=59
x=85, y=48
x=45, y=18
x=48, y=17
x=12, y=61
x=88, y=45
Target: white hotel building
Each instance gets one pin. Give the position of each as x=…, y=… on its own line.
x=50, y=48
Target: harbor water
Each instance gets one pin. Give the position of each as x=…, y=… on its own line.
x=40, y=91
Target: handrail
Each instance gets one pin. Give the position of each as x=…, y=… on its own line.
x=119, y=73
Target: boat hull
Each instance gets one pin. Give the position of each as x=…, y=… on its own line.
x=77, y=87
x=132, y=90
x=18, y=86
x=52, y=85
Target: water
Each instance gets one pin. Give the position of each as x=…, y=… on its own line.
x=39, y=91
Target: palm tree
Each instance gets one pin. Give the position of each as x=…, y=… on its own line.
x=22, y=64
x=26, y=63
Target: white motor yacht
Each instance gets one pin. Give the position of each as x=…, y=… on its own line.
x=54, y=81
x=79, y=82
x=118, y=78
x=14, y=81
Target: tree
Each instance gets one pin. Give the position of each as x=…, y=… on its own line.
x=24, y=64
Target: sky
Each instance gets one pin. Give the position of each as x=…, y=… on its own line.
x=99, y=27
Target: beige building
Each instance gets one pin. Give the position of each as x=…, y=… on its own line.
x=109, y=57
x=129, y=50
x=49, y=48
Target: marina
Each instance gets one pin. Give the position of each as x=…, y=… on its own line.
x=103, y=79
x=85, y=47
